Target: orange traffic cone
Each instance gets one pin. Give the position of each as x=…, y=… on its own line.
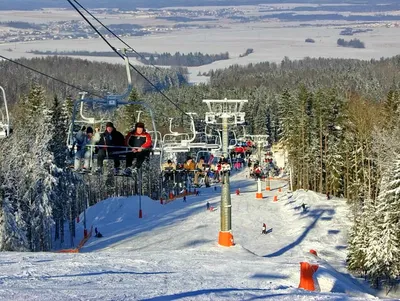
x=275, y=198
x=171, y=195
x=307, y=271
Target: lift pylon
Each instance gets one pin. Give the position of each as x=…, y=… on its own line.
x=225, y=112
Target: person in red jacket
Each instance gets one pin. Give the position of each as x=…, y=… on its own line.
x=140, y=142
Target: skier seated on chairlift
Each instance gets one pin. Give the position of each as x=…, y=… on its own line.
x=257, y=171
x=140, y=142
x=189, y=164
x=79, y=146
x=217, y=171
x=189, y=167
x=179, y=175
x=108, y=145
x=169, y=169
x=201, y=172
x=84, y=142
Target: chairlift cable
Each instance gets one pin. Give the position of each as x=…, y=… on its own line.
x=120, y=55
x=49, y=76
x=118, y=38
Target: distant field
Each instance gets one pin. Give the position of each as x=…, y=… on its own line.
x=271, y=41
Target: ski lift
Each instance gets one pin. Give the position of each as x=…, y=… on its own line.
x=111, y=101
x=213, y=142
x=173, y=143
x=191, y=142
x=233, y=141
x=5, y=118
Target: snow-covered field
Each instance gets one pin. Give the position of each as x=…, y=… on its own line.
x=271, y=41
x=172, y=252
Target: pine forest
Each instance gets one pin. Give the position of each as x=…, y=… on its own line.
x=337, y=118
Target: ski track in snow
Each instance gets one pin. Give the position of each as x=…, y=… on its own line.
x=172, y=253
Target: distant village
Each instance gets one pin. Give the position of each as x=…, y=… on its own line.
x=15, y=31
x=173, y=19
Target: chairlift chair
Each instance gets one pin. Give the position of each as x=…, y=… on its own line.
x=111, y=101
x=5, y=118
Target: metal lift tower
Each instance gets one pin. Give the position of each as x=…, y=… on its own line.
x=225, y=112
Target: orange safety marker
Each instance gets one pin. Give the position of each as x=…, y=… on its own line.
x=307, y=271
x=275, y=198
x=225, y=239
x=280, y=189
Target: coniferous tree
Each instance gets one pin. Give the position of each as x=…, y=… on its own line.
x=385, y=255
x=128, y=114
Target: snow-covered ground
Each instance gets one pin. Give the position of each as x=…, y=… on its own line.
x=271, y=41
x=172, y=252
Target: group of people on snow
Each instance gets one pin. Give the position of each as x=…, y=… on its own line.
x=111, y=143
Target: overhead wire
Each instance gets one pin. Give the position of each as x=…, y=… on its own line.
x=120, y=55
x=117, y=37
x=59, y=80
x=49, y=76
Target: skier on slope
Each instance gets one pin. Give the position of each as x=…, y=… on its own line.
x=264, y=229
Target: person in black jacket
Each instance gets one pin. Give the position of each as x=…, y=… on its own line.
x=109, y=140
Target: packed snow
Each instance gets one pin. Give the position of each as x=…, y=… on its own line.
x=172, y=252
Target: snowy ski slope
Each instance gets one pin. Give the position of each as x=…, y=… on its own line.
x=172, y=252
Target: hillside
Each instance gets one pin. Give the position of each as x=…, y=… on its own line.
x=172, y=253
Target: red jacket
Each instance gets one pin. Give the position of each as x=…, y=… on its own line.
x=134, y=139
x=239, y=149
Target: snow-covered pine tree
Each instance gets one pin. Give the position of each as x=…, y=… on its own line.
x=387, y=262
x=334, y=154
x=356, y=249
x=13, y=236
x=43, y=180
x=290, y=133
x=371, y=248
x=128, y=114
x=59, y=133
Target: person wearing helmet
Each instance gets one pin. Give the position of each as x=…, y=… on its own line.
x=140, y=142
